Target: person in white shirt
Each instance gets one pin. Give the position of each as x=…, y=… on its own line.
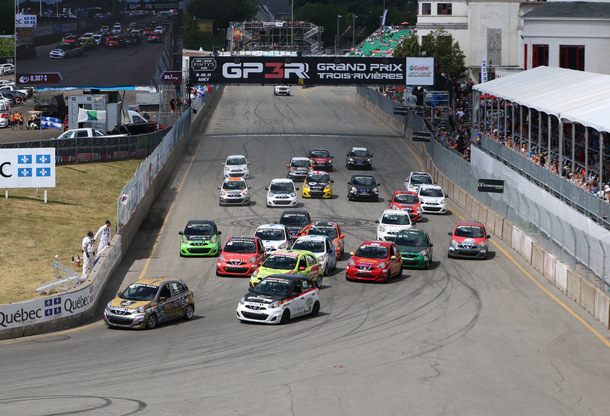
x=88, y=253
x=103, y=237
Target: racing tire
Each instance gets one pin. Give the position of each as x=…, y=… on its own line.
x=319, y=281
x=189, y=312
x=285, y=317
x=316, y=309
x=427, y=266
x=151, y=322
x=388, y=277
x=449, y=255
x=335, y=265
x=400, y=272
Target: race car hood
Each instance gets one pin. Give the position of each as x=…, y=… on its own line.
x=299, y=169
x=127, y=304
x=365, y=263
x=281, y=192
x=394, y=227
x=238, y=256
x=365, y=186
x=267, y=299
x=199, y=237
x=410, y=249
x=436, y=199
x=467, y=241
x=275, y=244
x=406, y=207
x=359, y=157
x=321, y=160
x=266, y=271
x=313, y=183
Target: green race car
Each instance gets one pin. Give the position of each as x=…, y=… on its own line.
x=200, y=238
x=289, y=262
x=415, y=248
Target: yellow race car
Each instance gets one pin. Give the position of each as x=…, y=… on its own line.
x=289, y=262
x=318, y=184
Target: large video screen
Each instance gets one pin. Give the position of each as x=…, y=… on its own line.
x=92, y=43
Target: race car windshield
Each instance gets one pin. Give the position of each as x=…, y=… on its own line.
x=468, y=231
x=269, y=234
x=240, y=247
x=300, y=163
x=139, y=292
x=236, y=161
x=421, y=179
x=359, y=153
x=294, y=220
x=234, y=185
x=372, y=252
x=313, y=246
x=318, y=178
x=363, y=180
x=406, y=199
x=320, y=153
x=329, y=231
x=395, y=219
x=198, y=229
x=281, y=262
x=436, y=193
x=272, y=287
x=412, y=240
x=282, y=186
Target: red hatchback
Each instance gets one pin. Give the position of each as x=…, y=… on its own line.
x=116, y=42
x=376, y=261
x=468, y=241
x=407, y=201
x=241, y=255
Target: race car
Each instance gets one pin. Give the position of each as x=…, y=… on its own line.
x=236, y=166
x=432, y=199
x=289, y=261
x=322, y=247
x=359, y=157
x=274, y=237
x=321, y=159
x=277, y=299
x=468, y=241
x=376, y=261
x=200, y=238
x=281, y=90
x=295, y=220
x=147, y=302
x=407, y=201
x=234, y=191
x=318, y=184
x=415, y=179
x=362, y=186
x=392, y=221
x=282, y=192
x=298, y=168
x=241, y=255
x=415, y=248
x=330, y=229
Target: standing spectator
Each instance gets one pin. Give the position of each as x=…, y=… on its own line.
x=103, y=237
x=172, y=104
x=88, y=253
x=11, y=121
x=20, y=119
x=179, y=104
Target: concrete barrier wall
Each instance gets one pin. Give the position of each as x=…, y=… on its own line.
x=526, y=248
x=482, y=217
x=507, y=232
x=549, y=266
x=587, y=296
x=538, y=257
x=561, y=276
x=602, y=307
x=516, y=239
x=573, y=290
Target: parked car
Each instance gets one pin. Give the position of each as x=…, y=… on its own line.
x=78, y=133
x=4, y=118
x=8, y=68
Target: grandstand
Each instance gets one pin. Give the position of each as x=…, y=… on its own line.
x=382, y=42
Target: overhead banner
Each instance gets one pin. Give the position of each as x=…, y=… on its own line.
x=302, y=70
x=491, y=185
x=27, y=168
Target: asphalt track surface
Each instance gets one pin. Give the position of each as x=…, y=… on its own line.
x=464, y=338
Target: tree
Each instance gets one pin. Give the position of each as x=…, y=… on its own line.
x=223, y=12
x=448, y=57
x=408, y=47
x=7, y=47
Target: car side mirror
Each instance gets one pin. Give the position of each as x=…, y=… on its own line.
x=378, y=184
x=295, y=294
x=218, y=232
x=446, y=196
x=219, y=187
x=371, y=156
x=347, y=154
x=488, y=236
x=392, y=257
x=287, y=166
x=332, y=181
x=430, y=245
x=351, y=253
x=449, y=233
x=332, y=157
x=180, y=232
x=249, y=187
x=266, y=188
x=250, y=289
x=342, y=236
x=249, y=163
x=376, y=221
x=349, y=183
x=118, y=294
x=297, y=189
x=223, y=164
x=162, y=298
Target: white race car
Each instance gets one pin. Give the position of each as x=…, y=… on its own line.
x=392, y=222
x=275, y=237
x=236, y=166
x=415, y=179
x=322, y=247
x=281, y=193
x=281, y=90
x=432, y=199
x=234, y=191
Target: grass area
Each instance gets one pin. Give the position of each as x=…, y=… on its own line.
x=32, y=233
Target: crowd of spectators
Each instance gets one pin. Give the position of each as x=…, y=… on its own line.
x=382, y=41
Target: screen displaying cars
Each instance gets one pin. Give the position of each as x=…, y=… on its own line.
x=318, y=184
x=200, y=238
x=277, y=299
x=274, y=236
x=289, y=261
x=67, y=50
x=392, y=221
x=359, y=158
x=298, y=168
x=321, y=159
x=236, y=166
x=234, y=191
x=363, y=187
x=281, y=90
x=147, y=302
x=407, y=201
x=415, y=248
x=468, y=241
x=376, y=261
x=432, y=199
x=240, y=256
x=415, y=179
x=322, y=247
x=330, y=229
x=281, y=193
x=295, y=220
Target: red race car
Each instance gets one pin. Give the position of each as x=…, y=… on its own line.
x=321, y=159
x=375, y=261
x=116, y=42
x=468, y=241
x=241, y=255
x=407, y=201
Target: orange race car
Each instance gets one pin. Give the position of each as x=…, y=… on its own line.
x=330, y=229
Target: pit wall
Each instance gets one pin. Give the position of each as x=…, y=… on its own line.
x=67, y=309
x=576, y=287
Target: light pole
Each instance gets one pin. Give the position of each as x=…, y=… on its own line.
x=337, y=42
x=354, y=17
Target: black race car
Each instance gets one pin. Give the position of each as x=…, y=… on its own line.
x=359, y=158
x=295, y=220
x=362, y=186
x=321, y=159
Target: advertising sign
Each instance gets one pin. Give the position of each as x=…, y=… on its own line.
x=297, y=70
x=27, y=168
x=25, y=20
x=491, y=185
x=422, y=136
x=420, y=71
x=171, y=77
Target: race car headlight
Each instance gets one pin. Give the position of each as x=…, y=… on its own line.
x=336, y=244
x=327, y=186
x=271, y=194
x=350, y=262
x=283, y=245
x=423, y=252
x=141, y=309
x=213, y=240
x=222, y=258
x=368, y=159
x=108, y=305
x=382, y=228
x=320, y=259
x=223, y=192
x=227, y=168
x=443, y=202
x=252, y=259
x=255, y=274
x=353, y=189
x=351, y=159
x=453, y=243
x=184, y=239
x=293, y=194
x=418, y=209
x=382, y=265
x=242, y=301
x=274, y=305
x=483, y=244
x=375, y=190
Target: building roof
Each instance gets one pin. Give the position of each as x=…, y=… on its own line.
x=574, y=96
x=570, y=10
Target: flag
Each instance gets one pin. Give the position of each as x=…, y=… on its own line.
x=48, y=122
x=91, y=115
x=385, y=13
x=484, y=70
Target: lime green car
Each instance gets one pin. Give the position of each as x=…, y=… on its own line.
x=289, y=262
x=415, y=248
x=200, y=238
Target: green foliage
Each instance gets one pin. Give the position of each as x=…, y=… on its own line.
x=408, y=47
x=448, y=57
x=7, y=47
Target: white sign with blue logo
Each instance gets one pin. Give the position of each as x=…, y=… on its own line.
x=27, y=168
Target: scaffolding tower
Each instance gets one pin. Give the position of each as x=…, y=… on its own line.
x=294, y=37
